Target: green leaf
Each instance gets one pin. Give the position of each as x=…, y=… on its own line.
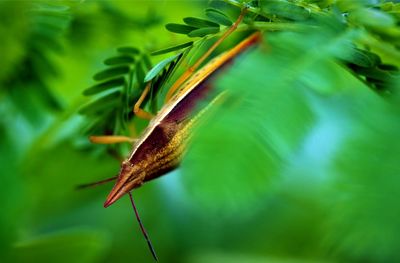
x=164, y=76
x=159, y=67
x=218, y=17
x=179, y=28
x=120, y=81
x=119, y=60
x=360, y=57
x=47, y=96
x=286, y=10
x=197, y=22
x=147, y=61
x=372, y=18
x=107, y=101
x=128, y=50
x=366, y=59
x=111, y=72
x=140, y=75
x=388, y=67
x=377, y=74
x=201, y=32
x=170, y=49
x=78, y=245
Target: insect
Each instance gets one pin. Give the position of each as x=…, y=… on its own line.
x=161, y=146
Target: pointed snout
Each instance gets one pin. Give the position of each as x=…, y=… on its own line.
x=115, y=194
x=127, y=180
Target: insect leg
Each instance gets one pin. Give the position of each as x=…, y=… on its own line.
x=82, y=186
x=193, y=68
x=144, y=232
x=137, y=110
x=110, y=139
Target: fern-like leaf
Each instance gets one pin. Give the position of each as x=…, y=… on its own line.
x=119, y=86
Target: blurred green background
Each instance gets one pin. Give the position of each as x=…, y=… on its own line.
x=300, y=164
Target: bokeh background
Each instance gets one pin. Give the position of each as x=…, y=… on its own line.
x=301, y=164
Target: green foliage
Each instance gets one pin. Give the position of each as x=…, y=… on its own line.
x=199, y=23
x=199, y=27
x=286, y=10
x=218, y=16
x=311, y=133
x=42, y=25
x=159, y=67
x=180, y=29
x=120, y=84
x=83, y=246
x=202, y=32
x=170, y=49
x=193, y=27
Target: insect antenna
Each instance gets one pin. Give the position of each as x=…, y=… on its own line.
x=146, y=236
x=83, y=186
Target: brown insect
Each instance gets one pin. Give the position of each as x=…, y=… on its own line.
x=160, y=148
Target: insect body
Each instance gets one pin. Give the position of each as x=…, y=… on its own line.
x=160, y=148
